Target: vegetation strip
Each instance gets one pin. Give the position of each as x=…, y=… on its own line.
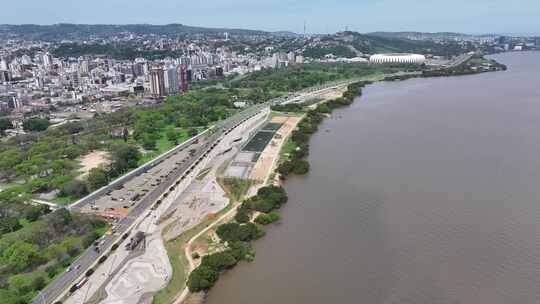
x=237, y=234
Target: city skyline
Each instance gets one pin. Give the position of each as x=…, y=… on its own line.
x=480, y=17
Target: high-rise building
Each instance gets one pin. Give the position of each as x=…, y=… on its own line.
x=47, y=60
x=157, y=82
x=5, y=76
x=84, y=67
x=138, y=69
x=171, y=80
x=291, y=56
x=4, y=65
x=183, y=78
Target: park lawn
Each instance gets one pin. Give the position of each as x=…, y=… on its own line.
x=179, y=263
x=236, y=188
x=288, y=147
x=64, y=200
x=101, y=231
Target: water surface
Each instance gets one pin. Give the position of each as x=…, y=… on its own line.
x=423, y=191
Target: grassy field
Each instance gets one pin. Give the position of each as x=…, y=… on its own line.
x=236, y=188
x=63, y=200
x=179, y=263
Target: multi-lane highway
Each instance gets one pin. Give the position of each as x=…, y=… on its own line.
x=65, y=280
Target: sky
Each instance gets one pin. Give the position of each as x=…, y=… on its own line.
x=321, y=16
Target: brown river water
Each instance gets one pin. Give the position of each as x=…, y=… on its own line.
x=425, y=191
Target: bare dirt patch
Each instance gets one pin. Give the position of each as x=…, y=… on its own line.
x=92, y=160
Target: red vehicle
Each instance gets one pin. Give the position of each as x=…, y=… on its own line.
x=81, y=283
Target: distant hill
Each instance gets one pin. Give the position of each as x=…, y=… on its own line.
x=419, y=35
x=369, y=43
x=286, y=34
x=68, y=31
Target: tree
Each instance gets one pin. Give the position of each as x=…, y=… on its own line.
x=74, y=188
x=242, y=215
x=97, y=178
x=125, y=134
x=235, y=232
x=275, y=194
x=193, y=132
x=59, y=220
x=265, y=219
x=73, y=127
x=21, y=255
x=202, y=278
x=219, y=261
x=9, y=224
x=241, y=250
x=23, y=284
x=172, y=136
x=9, y=297
x=36, y=124
x=260, y=204
x=124, y=157
x=5, y=124
x=300, y=167
x=33, y=213
x=148, y=141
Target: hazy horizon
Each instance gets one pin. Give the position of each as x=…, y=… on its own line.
x=321, y=16
x=531, y=34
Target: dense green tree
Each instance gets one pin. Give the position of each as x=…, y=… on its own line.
x=22, y=284
x=36, y=124
x=236, y=232
x=219, y=261
x=5, y=124
x=124, y=157
x=265, y=219
x=9, y=224
x=10, y=297
x=202, y=278
x=74, y=188
x=32, y=213
x=172, y=136
x=97, y=178
x=21, y=255
x=193, y=132
x=241, y=250
x=148, y=141
x=300, y=167
x=242, y=215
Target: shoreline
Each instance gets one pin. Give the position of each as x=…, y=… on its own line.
x=297, y=164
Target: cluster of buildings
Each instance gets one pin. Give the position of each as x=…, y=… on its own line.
x=35, y=82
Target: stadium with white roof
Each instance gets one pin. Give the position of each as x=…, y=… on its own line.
x=397, y=59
